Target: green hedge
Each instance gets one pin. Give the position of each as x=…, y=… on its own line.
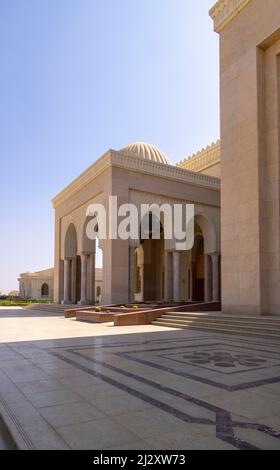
x=20, y=303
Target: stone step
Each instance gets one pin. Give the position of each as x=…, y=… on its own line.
x=222, y=320
x=251, y=318
x=215, y=329
x=243, y=327
x=55, y=308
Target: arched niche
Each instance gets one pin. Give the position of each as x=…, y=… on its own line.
x=45, y=291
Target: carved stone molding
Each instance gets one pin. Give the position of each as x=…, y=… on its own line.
x=118, y=159
x=224, y=11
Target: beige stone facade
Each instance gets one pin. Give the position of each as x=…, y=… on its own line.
x=250, y=164
x=37, y=285
x=247, y=161
x=136, y=270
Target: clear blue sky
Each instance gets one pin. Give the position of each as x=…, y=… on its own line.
x=81, y=76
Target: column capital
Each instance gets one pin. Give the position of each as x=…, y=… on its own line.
x=214, y=256
x=134, y=243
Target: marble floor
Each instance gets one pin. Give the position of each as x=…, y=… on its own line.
x=70, y=385
x=6, y=441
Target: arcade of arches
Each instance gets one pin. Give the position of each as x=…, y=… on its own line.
x=79, y=269
x=155, y=274
x=137, y=270
x=160, y=275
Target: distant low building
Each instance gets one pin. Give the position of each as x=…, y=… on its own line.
x=39, y=285
x=14, y=293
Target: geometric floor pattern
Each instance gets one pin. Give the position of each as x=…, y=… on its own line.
x=158, y=390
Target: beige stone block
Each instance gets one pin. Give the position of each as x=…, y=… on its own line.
x=249, y=245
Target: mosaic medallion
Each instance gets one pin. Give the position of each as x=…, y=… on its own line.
x=224, y=359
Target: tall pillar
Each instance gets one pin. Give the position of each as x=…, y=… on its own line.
x=187, y=275
x=66, y=297
x=176, y=276
x=73, y=280
x=131, y=274
x=215, y=277
x=207, y=279
x=167, y=276
x=83, y=300
x=91, y=278
x=191, y=276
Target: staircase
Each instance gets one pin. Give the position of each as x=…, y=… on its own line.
x=259, y=327
x=51, y=308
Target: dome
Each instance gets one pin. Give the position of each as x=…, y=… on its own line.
x=146, y=151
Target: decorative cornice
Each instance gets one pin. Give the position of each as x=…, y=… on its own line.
x=224, y=11
x=134, y=163
x=165, y=171
x=203, y=159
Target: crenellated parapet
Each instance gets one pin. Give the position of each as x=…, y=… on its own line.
x=205, y=158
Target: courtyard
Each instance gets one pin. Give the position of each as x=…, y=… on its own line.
x=71, y=385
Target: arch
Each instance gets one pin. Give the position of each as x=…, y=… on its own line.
x=98, y=291
x=45, y=290
x=209, y=233
x=150, y=264
x=72, y=267
x=151, y=223
x=70, y=245
x=198, y=266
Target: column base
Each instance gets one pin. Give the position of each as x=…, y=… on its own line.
x=66, y=302
x=84, y=302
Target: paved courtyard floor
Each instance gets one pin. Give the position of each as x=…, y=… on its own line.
x=71, y=385
x=6, y=441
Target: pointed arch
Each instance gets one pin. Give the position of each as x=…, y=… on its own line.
x=70, y=245
x=208, y=232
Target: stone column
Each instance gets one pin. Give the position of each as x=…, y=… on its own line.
x=215, y=277
x=131, y=274
x=83, y=300
x=176, y=276
x=191, y=277
x=187, y=275
x=66, y=297
x=73, y=280
x=91, y=278
x=207, y=278
x=166, y=276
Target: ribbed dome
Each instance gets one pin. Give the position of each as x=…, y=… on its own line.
x=146, y=151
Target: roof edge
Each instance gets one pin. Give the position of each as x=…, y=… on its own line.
x=225, y=11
